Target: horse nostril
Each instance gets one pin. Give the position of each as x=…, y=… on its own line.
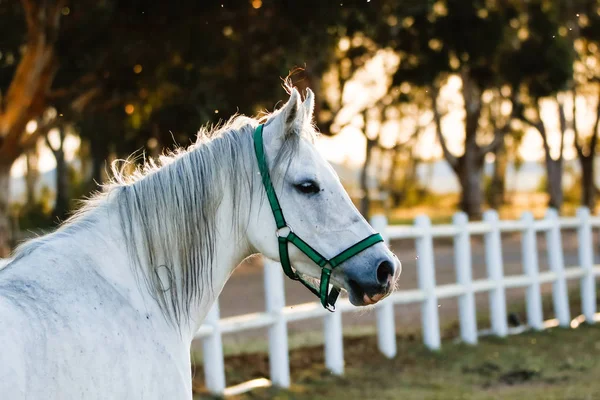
x=384, y=271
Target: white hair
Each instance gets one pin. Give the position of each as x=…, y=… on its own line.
x=167, y=208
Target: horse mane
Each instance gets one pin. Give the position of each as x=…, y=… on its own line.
x=167, y=208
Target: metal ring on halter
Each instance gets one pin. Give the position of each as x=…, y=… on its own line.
x=289, y=228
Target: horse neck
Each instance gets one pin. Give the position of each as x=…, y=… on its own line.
x=231, y=249
x=227, y=234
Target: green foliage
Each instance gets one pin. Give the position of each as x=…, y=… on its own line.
x=543, y=61
x=11, y=38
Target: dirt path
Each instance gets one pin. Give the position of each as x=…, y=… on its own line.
x=244, y=293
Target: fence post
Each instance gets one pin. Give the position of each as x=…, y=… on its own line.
x=462, y=263
x=334, y=343
x=495, y=270
x=586, y=259
x=535, y=318
x=279, y=362
x=560, y=296
x=212, y=349
x=386, y=324
x=426, y=274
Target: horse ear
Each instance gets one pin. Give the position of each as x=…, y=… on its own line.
x=291, y=114
x=309, y=105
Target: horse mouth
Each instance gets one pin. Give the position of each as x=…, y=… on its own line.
x=359, y=297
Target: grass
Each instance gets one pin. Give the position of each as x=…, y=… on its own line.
x=441, y=208
x=553, y=364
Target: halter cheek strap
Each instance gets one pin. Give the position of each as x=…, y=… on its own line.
x=286, y=235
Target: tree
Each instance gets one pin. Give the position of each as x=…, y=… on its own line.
x=584, y=29
x=506, y=152
x=148, y=69
x=32, y=175
x=61, y=204
x=27, y=90
x=439, y=41
x=541, y=66
x=496, y=191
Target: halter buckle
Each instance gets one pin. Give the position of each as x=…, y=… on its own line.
x=284, y=231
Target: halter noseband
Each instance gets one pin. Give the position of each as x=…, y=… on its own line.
x=286, y=235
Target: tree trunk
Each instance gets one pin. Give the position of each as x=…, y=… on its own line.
x=470, y=164
x=5, y=225
x=586, y=153
x=25, y=98
x=554, y=178
x=497, y=189
x=410, y=174
x=468, y=167
x=469, y=176
x=554, y=167
x=31, y=177
x=365, y=201
x=588, y=184
x=392, y=185
x=61, y=206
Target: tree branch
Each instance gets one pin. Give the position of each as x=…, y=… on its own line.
x=499, y=133
x=400, y=145
x=495, y=143
x=26, y=96
x=31, y=17
x=539, y=125
x=450, y=158
x=563, y=125
x=529, y=122
x=86, y=81
x=49, y=144
x=517, y=112
x=29, y=140
x=80, y=103
x=594, y=139
x=574, y=122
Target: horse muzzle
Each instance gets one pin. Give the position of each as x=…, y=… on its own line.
x=367, y=285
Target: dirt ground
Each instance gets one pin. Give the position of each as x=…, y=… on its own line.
x=244, y=293
x=553, y=364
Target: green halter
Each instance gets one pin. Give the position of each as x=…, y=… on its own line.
x=286, y=235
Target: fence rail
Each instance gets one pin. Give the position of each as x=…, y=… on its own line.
x=277, y=315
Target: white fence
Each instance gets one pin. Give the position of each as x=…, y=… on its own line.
x=277, y=315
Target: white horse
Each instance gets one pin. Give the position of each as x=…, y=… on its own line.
x=106, y=307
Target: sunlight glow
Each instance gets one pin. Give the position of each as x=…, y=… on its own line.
x=348, y=146
x=369, y=86
x=47, y=162
x=31, y=127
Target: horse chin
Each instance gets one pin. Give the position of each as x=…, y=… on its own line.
x=359, y=298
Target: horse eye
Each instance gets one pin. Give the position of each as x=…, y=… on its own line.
x=308, y=187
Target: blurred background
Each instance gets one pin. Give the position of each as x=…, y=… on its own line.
x=425, y=106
